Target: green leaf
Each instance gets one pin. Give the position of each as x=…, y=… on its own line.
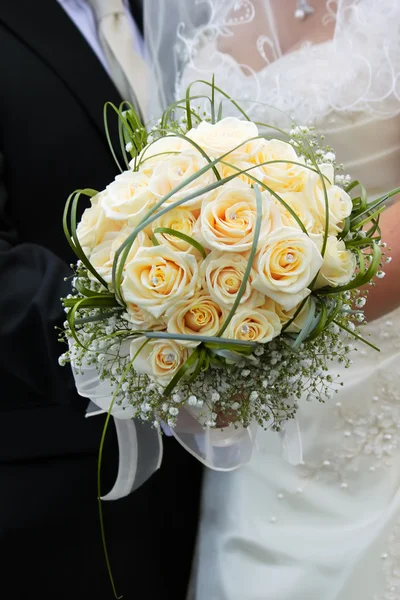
x=92, y=302
x=129, y=128
x=213, y=99
x=73, y=237
x=360, y=224
x=321, y=322
x=309, y=325
x=207, y=339
x=100, y=317
x=189, y=362
x=87, y=292
x=297, y=312
x=199, y=367
x=362, y=277
x=355, y=335
x=99, y=464
x=100, y=301
x=189, y=98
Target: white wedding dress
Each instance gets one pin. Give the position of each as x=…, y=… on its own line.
x=328, y=529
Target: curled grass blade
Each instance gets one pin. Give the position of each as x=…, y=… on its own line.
x=99, y=465
x=207, y=339
x=72, y=237
x=189, y=362
x=355, y=335
x=181, y=236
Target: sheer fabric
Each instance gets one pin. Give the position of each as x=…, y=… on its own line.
x=328, y=529
x=242, y=42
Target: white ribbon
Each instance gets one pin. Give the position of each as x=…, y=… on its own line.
x=140, y=445
x=219, y=449
x=291, y=441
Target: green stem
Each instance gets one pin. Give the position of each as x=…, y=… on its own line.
x=99, y=463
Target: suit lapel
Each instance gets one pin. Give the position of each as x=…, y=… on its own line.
x=47, y=30
x=136, y=7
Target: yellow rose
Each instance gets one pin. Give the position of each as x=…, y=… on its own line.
x=225, y=135
x=180, y=219
x=223, y=274
x=286, y=265
x=143, y=319
x=102, y=257
x=158, y=277
x=340, y=203
x=300, y=204
x=339, y=264
x=128, y=198
x=159, y=359
x=94, y=225
x=254, y=326
x=200, y=315
x=286, y=315
x=228, y=219
x=281, y=176
x=173, y=171
x=161, y=149
x=252, y=171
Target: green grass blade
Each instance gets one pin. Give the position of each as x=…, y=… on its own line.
x=181, y=236
x=249, y=265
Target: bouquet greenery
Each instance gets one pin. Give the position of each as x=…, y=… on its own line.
x=217, y=273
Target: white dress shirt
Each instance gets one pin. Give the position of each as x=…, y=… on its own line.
x=80, y=12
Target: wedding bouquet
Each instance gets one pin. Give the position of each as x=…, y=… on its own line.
x=217, y=273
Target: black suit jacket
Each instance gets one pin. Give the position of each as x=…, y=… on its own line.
x=52, y=92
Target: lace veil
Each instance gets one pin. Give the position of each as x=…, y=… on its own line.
x=346, y=62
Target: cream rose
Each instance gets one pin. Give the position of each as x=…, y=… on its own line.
x=228, y=219
x=94, y=225
x=339, y=264
x=300, y=204
x=200, y=315
x=128, y=198
x=287, y=315
x=158, y=277
x=102, y=257
x=340, y=203
x=175, y=170
x=286, y=264
x=180, y=219
x=222, y=276
x=234, y=166
x=254, y=326
x=159, y=359
x=281, y=176
x=224, y=136
x=142, y=319
x=161, y=149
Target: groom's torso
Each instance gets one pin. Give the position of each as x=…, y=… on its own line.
x=53, y=88
x=52, y=92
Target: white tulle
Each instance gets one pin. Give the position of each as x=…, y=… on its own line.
x=310, y=84
x=140, y=446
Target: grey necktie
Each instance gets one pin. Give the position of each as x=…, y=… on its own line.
x=127, y=68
